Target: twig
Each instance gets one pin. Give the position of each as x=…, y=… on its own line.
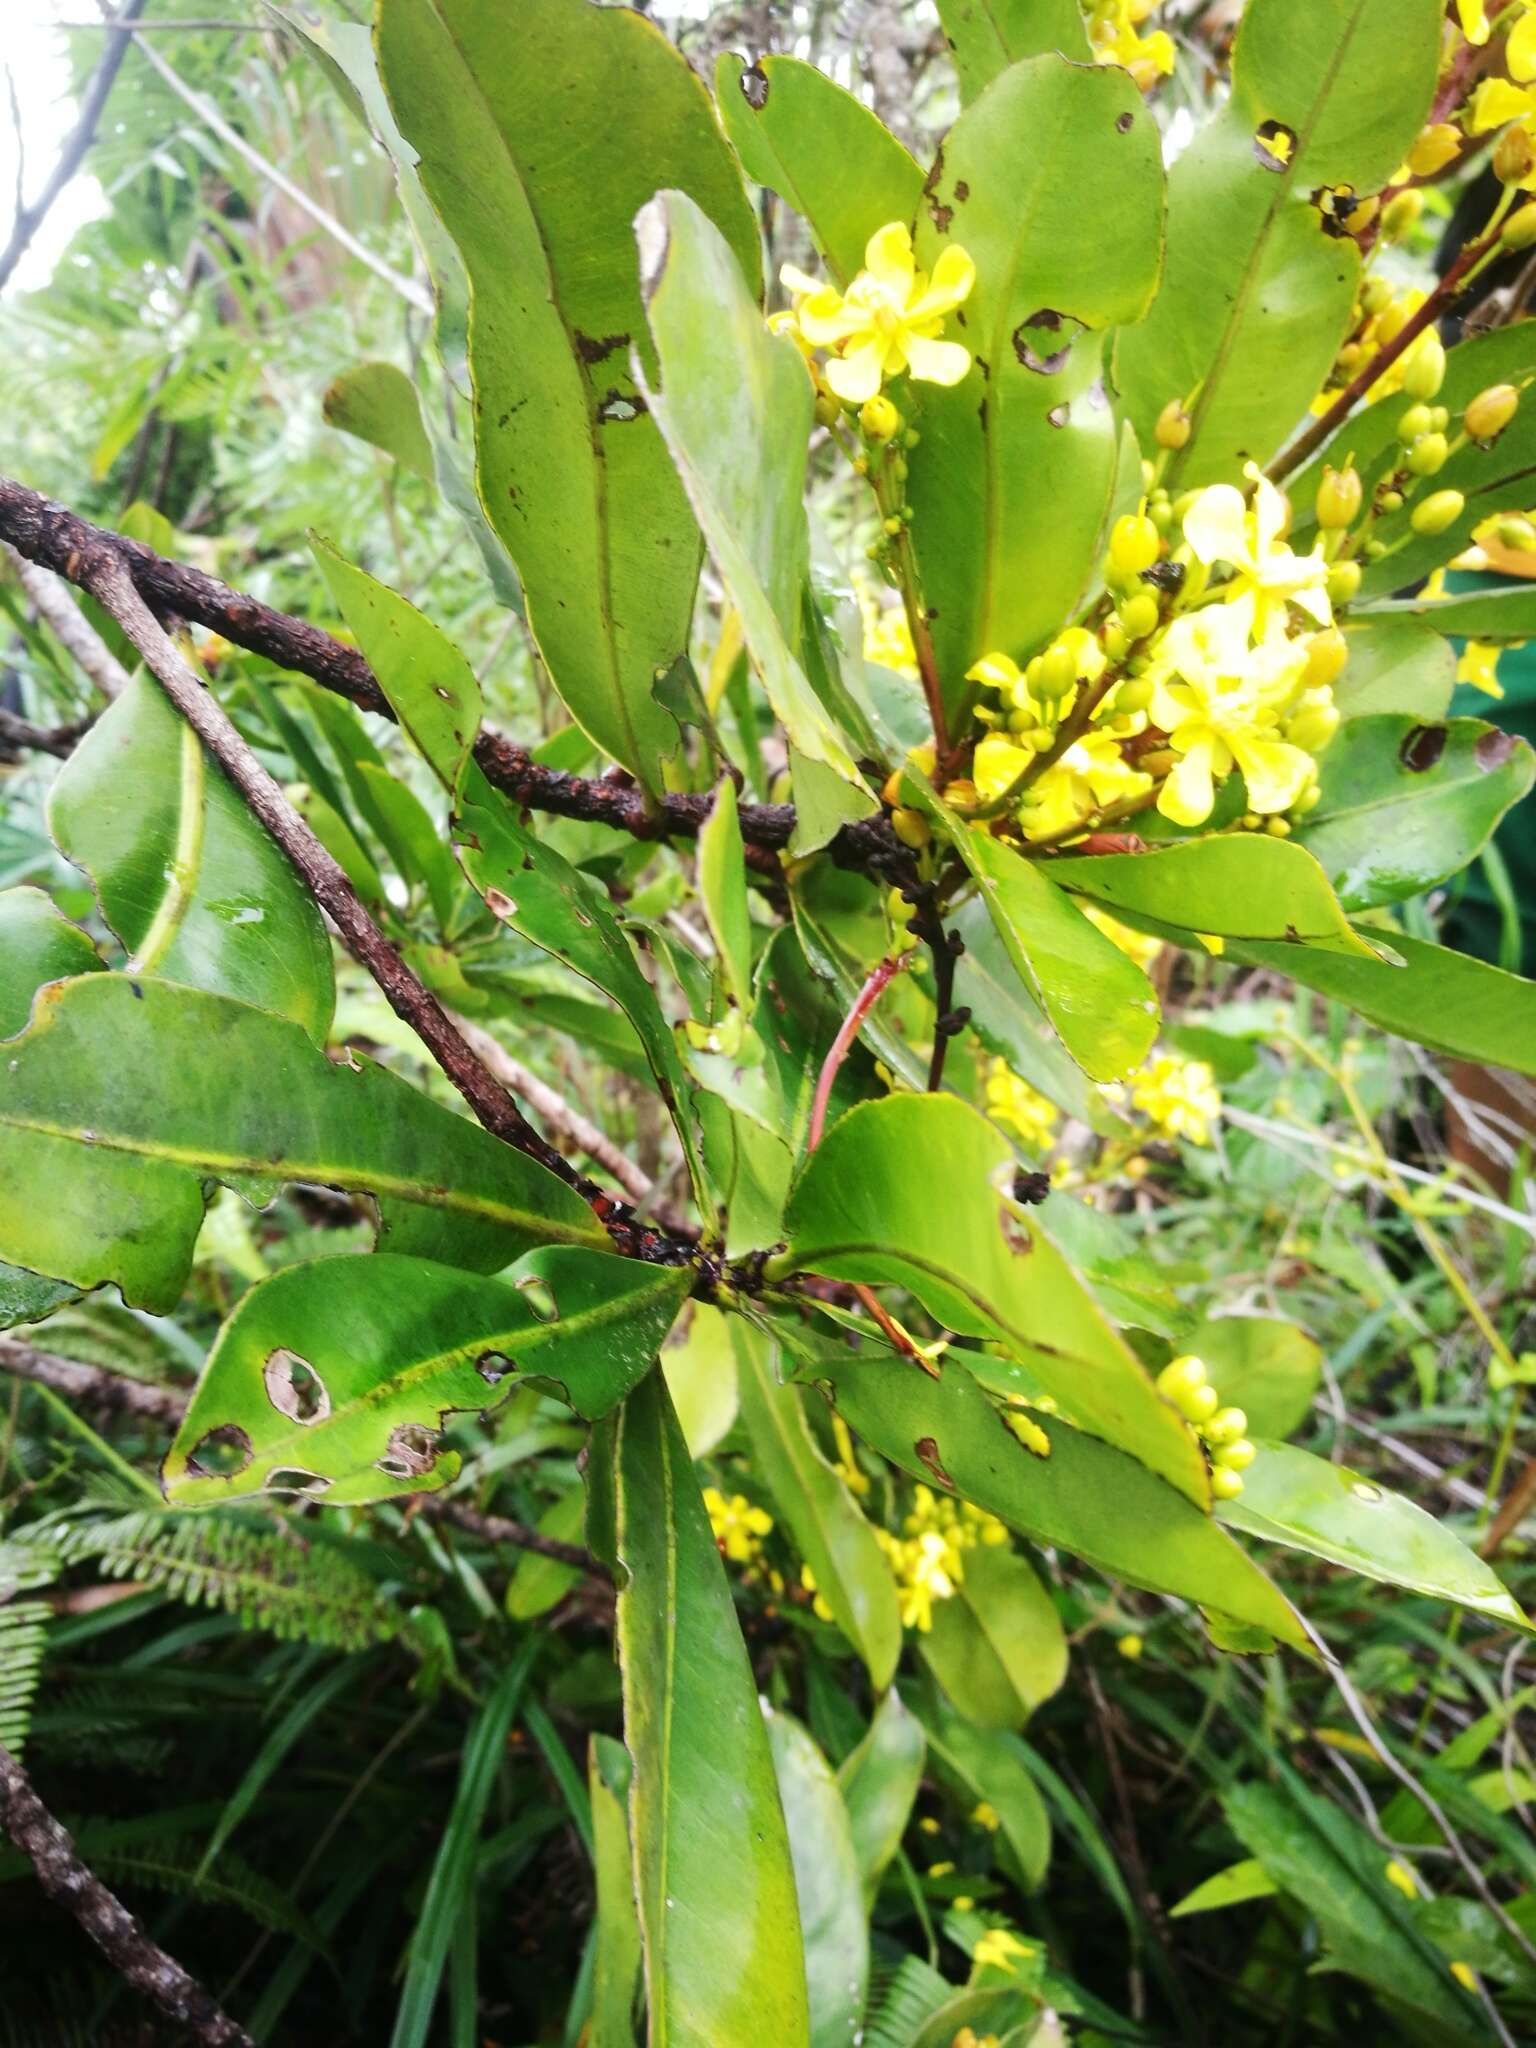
x=70, y=627
x=73, y=149
x=42, y=739
x=502, y=1529
x=50, y=1850
x=870, y=994
x=946, y=948
x=1509, y=1517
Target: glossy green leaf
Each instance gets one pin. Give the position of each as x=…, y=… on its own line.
x=1256, y=295
x=28, y=1297
x=821, y=150
x=982, y=1765
x=1333, y=1869
x=1017, y=463
x=1265, y=1366
x=539, y=1583
x=723, y=893
x=1505, y=613
x=539, y=199
x=126, y=1095
x=724, y=1966
x=833, y=1927
x=879, y=1780
x=535, y=890
x=616, y=1964
x=997, y=1646
x=191, y=884
x=377, y=403
x=734, y=404
x=429, y=684
x=417, y=848
x=338, y=1376
x=1233, y=885
x=843, y=932
x=1304, y=1502
x=1098, y=999
x=863, y=1209
x=1395, y=664
x=38, y=944
x=1234, y=1886
x=700, y=1364
x=1083, y=1496
x=986, y=36
x=825, y=1522
x=1405, y=805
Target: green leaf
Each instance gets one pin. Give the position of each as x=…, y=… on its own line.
x=1333, y=1870
x=829, y=1531
x=842, y=932
x=1441, y=999
x=863, y=1209
x=982, y=1764
x=833, y=1927
x=416, y=847
x=986, y=36
x=723, y=893
x=734, y=404
x=700, y=1366
x=1395, y=664
x=1256, y=296
x=1234, y=1886
x=429, y=684
x=126, y=1095
x=1017, y=463
x=377, y=403
x=339, y=1375
x=1232, y=885
x=1505, y=613
x=1100, y=1002
x=538, y=188
x=38, y=944
x=1268, y=1368
x=879, y=1782
x=1304, y=1502
x=997, y=1646
x=821, y=150
x=535, y=890
x=1405, y=805
x=724, y=1965
x=190, y=883
x=539, y=1583
x=1083, y=1496
x=616, y=1965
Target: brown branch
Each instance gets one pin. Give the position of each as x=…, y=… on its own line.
x=1517, y=1504
x=41, y=739
x=502, y=1529
x=71, y=628
x=50, y=1850
x=58, y=538
x=72, y=152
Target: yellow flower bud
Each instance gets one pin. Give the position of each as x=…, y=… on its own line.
x=890, y=792
x=1278, y=828
x=1238, y=1455
x=1139, y=615
x=1130, y=1646
x=1415, y=420
x=1225, y=1483
x=1434, y=149
x=898, y=909
x=1226, y=1426
x=1338, y=497
x=1424, y=366
x=1376, y=294
x=1327, y=653
x=1173, y=426
x=1134, y=543
x=1029, y=1433
x=1514, y=155
x=911, y=828
x=1343, y=582
x=1428, y=454
x=1520, y=228
x=879, y=418
x=1183, y=1381
x=1117, y=642
x=1491, y=411
x=1389, y=501
x=1440, y=510
x=1517, y=534
x=1135, y=695
x=1057, y=673
x=1401, y=215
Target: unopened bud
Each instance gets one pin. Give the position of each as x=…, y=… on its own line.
x=1238, y=1455
x=1520, y=228
x=1416, y=420
x=1173, y=426
x=1338, y=497
x=1327, y=652
x=879, y=418
x=1376, y=294
x=1517, y=534
x=1424, y=369
x=1514, y=155
x=1134, y=543
x=828, y=410
x=1344, y=582
x=898, y=909
x=1439, y=511
x=1434, y=149
x=1226, y=1426
x=1225, y=1483
x=1428, y=454
x=911, y=828
x=1491, y=412
x=1401, y=215
x=1139, y=615
x=1117, y=642
x=1056, y=675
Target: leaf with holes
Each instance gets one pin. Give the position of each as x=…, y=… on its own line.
x=863, y=1209
x=1406, y=805
x=1017, y=463
x=125, y=1097
x=1293, y=1498
x=190, y=883
x=523, y=163
x=1257, y=293
x=986, y=36
x=821, y=150
x=336, y=1379
x=724, y=1967
x=38, y=944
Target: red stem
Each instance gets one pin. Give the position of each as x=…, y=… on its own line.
x=848, y=1031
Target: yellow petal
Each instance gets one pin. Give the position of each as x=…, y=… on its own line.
x=1473, y=16
x=856, y=376
x=935, y=362
x=953, y=277
x=1216, y=525
x=1275, y=772
x=826, y=319
x=796, y=281
x=1187, y=795
x=888, y=259
x=1520, y=50
x=1000, y=670
x=1497, y=101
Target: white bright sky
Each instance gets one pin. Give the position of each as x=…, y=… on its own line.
x=32, y=49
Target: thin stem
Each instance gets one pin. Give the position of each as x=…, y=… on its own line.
x=884, y=972
x=1071, y=729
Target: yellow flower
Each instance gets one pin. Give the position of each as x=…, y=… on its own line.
x=1220, y=699
x=889, y=319
x=1130, y=1646
x=1400, y=1875
x=1479, y=666
x=1012, y=1101
x=1497, y=103
x=888, y=636
x=1473, y=16
x=997, y=1950
x=739, y=1528
x=1465, y=1976
x=1142, y=949
x=1090, y=775
x=1178, y=1096
x=819, y=1606
x=998, y=764
x=1115, y=31
x=1222, y=527
x=985, y=1815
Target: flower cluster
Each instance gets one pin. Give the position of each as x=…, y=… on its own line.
x=1012, y=1102
x=1178, y=1096
x=889, y=321
x=927, y=1559
x=1115, y=30
x=1224, y=1431
x=738, y=1526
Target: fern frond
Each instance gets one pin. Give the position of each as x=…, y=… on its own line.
x=901, y=2001
x=23, y=1627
